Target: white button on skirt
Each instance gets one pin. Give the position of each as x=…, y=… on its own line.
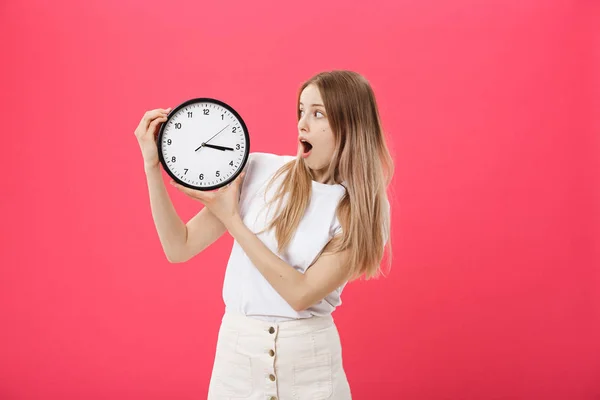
x=292, y=360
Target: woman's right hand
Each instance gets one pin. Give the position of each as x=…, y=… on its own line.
x=146, y=134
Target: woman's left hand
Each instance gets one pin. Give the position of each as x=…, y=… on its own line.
x=223, y=202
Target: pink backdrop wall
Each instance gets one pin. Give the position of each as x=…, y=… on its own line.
x=492, y=112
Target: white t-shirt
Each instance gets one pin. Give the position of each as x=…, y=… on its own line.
x=245, y=290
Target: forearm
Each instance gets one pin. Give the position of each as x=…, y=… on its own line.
x=172, y=231
x=288, y=282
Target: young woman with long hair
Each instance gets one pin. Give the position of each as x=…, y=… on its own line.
x=304, y=226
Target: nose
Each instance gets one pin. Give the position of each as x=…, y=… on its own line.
x=302, y=126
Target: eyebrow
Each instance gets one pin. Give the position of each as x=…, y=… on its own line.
x=314, y=105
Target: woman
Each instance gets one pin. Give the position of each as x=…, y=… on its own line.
x=303, y=226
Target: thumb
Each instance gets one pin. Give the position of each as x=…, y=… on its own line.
x=240, y=178
x=237, y=182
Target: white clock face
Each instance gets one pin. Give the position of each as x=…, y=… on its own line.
x=204, y=144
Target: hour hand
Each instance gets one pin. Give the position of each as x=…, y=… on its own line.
x=214, y=146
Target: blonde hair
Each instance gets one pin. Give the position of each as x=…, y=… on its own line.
x=361, y=162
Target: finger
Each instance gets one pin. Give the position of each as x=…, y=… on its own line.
x=175, y=184
x=149, y=116
x=160, y=114
x=178, y=186
x=182, y=189
x=238, y=181
x=153, y=114
x=153, y=129
x=235, y=182
x=190, y=192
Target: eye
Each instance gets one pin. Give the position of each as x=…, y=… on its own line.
x=319, y=114
x=301, y=112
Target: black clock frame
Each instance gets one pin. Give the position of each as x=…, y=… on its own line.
x=185, y=104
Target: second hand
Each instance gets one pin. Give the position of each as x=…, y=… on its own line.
x=211, y=138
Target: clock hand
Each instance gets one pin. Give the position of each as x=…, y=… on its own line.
x=203, y=144
x=217, y=134
x=214, y=146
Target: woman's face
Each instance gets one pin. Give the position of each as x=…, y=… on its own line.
x=316, y=141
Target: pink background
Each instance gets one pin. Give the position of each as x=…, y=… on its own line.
x=492, y=112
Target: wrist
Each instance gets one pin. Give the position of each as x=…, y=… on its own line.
x=234, y=223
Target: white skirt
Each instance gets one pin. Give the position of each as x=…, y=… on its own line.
x=292, y=360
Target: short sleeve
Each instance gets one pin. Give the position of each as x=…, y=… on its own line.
x=336, y=228
x=259, y=168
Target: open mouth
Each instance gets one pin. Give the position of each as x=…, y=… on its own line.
x=307, y=147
